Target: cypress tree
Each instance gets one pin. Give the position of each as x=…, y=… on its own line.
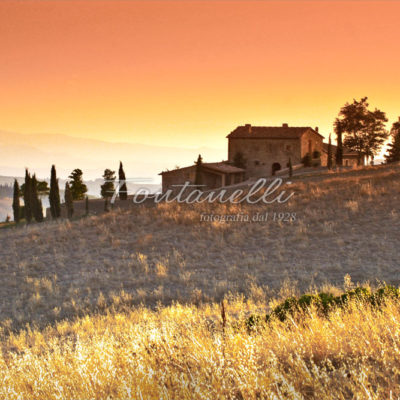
x=239, y=160
x=87, y=205
x=37, y=209
x=198, y=180
x=69, y=203
x=123, y=191
x=290, y=167
x=339, y=150
x=330, y=161
x=16, y=206
x=54, y=196
x=393, y=153
x=28, y=197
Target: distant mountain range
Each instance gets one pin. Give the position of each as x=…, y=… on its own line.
x=39, y=151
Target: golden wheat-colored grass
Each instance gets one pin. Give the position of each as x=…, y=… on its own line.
x=185, y=352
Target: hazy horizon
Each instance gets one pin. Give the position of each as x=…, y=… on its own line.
x=184, y=74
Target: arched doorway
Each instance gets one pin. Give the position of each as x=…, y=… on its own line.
x=275, y=167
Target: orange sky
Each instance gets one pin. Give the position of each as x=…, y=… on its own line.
x=186, y=73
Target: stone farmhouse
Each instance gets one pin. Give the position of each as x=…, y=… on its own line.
x=259, y=151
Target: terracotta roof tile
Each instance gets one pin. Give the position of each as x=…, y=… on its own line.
x=269, y=132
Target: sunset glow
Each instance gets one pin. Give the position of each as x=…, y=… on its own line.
x=187, y=73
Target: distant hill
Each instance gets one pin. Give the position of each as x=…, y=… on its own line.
x=39, y=151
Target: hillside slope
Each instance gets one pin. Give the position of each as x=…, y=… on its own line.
x=345, y=224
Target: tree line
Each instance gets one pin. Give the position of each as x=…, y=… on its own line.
x=32, y=190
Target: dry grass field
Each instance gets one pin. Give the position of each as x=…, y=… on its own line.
x=183, y=352
x=345, y=223
x=74, y=283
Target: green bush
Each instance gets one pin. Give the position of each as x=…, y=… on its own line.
x=325, y=302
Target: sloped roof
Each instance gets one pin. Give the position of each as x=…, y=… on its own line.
x=221, y=167
x=346, y=151
x=270, y=132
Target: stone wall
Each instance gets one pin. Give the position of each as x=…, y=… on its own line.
x=310, y=140
x=261, y=154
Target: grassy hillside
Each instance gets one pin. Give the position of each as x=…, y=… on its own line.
x=178, y=343
x=345, y=224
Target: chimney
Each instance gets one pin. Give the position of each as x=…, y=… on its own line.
x=248, y=127
x=285, y=126
x=316, y=129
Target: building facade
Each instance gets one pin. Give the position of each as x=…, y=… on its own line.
x=265, y=150
x=213, y=175
x=259, y=151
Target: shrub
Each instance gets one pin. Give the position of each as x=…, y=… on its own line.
x=325, y=302
x=316, y=154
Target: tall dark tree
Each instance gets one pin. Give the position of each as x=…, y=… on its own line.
x=364, y=130
x=54, y=196
x=28, y=209
x=69, y=202
x=87, y=205
x=393, y=152
x=239, y=160
x=77, y=187
x=37, y=208
x=198, y=179
x=330, y=155
x=339, y=140
x=16, y=206
x=107, y=188
x=123, y=191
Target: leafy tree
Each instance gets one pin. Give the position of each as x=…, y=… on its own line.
x=330, y=160
x=37, y=208
x=123, y=191
x=107, y=188
x=364, y=130
x=69, y=202
x=239, y=160
x=16, y=206
x=393, y=153
x=28, y=197
x=77, y=187
x=41, y=186
x=54, y=196
x=198, y=180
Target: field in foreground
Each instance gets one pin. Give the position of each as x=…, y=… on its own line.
x=345, y=223
x=187, y=352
